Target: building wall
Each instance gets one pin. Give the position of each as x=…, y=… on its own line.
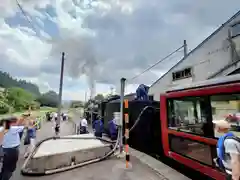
x=206, y=60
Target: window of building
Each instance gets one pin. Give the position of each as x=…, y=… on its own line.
x=189, y=114
x=192, y=149
x=236, y=30
x=186, y=73
x=229, y=111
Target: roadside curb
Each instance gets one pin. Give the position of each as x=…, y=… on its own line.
x=164, y=170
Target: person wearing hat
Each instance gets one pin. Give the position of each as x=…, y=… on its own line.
x=9, y=134
x=228, y=150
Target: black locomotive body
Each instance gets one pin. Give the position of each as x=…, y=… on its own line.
x=145, y=117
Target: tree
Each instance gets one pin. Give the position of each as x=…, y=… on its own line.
x=49, y=99
x=19, y=98
x=4, y=107
x=7, y=81
x=20, y=94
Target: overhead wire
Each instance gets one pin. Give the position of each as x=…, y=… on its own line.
x=152, y=66
x=26, y=16
x=131, y=79
x=155, y=64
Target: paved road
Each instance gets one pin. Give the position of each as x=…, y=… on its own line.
x=112, y=169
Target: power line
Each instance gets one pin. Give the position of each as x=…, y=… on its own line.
x=25, y=15
x=155, y=64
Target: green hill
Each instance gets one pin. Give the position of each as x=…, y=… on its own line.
x=19, y=95
x=6, y=81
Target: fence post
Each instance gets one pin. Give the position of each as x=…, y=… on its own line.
x=126, y=119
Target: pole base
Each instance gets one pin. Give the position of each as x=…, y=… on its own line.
x=128, y=166
x=120, y=154
x=123, y=165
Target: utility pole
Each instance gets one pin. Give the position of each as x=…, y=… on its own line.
x=121, y=113
x=57, y=128
x=185, y=48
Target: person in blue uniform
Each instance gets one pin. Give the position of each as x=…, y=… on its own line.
x=113, y=130
x=98, y=127
x=10, y=144
x=142, y=92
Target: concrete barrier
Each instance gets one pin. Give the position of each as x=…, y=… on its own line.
x=53, y=154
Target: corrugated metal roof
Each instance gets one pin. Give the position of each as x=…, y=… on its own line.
x=200, y=45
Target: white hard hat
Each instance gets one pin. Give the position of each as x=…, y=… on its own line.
x=222, y=123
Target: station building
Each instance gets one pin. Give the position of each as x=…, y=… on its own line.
x=217, y=55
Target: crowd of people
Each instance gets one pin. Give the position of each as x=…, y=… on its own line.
x=12, y=131
x=52, y=116
x=97, y=126
x=15, y=130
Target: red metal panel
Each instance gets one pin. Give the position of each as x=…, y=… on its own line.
x=209, y=171
x=197, y=166
x=230, y=88
x=164, y=123
x=193, y=137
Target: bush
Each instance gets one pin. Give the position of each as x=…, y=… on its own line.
x=34, y=105
x=19, y=98
x=4, y=107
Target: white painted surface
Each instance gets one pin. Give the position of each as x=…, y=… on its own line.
x=59, y=146
x=206, y=60
x=214, y=81
x=81, y=135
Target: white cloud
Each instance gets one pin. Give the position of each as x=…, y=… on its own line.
x=108, y=40
x=77, y=95
x=21, y=46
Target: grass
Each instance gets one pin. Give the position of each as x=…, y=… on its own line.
x=39, y=112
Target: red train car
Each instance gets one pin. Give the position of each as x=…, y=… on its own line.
x=186, y=115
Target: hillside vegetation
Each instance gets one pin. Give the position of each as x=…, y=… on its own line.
x=19, y=95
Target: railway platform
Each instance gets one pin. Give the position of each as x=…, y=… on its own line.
x=143, y=166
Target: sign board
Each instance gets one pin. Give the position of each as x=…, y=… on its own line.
x=117, y=119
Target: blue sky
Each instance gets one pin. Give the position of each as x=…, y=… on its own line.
x=103, y=42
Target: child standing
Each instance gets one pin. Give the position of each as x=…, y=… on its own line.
x=31, y=138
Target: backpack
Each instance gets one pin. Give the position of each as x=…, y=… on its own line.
x=221, y=149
